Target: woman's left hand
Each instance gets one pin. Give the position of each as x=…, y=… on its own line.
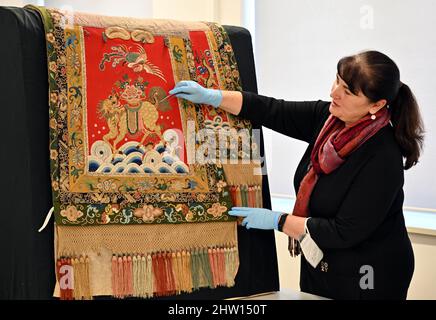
x=257, y=218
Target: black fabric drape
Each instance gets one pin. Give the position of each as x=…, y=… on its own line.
x=27, y=262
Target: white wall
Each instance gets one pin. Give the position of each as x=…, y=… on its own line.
x=298, y=44
x=12, y=3
x=222, y=11
x=423, y=284
x=185, y=10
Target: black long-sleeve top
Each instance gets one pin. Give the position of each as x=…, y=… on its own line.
x=356, y=211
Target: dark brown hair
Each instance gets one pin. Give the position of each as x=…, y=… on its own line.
x=378, y=77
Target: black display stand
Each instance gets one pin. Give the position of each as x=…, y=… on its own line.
x=27, y=257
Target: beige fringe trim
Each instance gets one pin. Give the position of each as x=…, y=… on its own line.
x=74, y=240
x=239, y=174
x=157, y=27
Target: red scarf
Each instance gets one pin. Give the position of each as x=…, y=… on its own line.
x=334, y=144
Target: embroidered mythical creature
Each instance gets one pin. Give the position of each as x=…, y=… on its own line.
x=137, y=114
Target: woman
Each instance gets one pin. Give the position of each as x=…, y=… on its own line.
x=349, y=183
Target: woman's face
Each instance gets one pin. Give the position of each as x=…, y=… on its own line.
x=350, y=107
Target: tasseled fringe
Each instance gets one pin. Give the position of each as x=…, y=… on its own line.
x=213, y=265
x=142, y=276
x=164, y=279
x=231, y=258
x=114, y=277
x=73, y=277
x=205, y=269
x=123, y=271
x=228, y=265
x=176, y=271
x=188, y=271
x=244, y=198
x=86, y=287
x=221, y=268
x=182, y=271
x=246, y=195
x=245, y=184
x=195, y=265
x=149, y=279
x=158, y=273
x=128, y=270
x=170, y=288
x=117, y=277
x=259, y=198
x=138, y=279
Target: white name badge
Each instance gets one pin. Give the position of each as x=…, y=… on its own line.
x=311, y=251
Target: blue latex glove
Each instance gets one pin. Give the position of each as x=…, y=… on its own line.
x=192, y=91
x=257, y=218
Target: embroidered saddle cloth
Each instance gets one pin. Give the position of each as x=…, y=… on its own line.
x=137, y=213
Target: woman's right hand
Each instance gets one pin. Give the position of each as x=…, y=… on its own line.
x=192, y=91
